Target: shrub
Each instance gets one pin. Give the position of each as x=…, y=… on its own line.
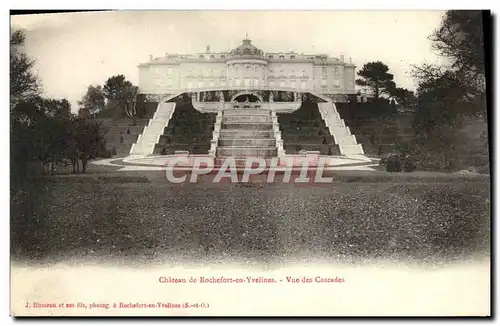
x=393, y=163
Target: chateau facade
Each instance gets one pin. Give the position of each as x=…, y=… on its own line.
x=247, y=67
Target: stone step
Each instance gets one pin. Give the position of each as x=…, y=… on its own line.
x=247, y=126
x=234, y=133
x=246, y=119
x=240, y=112
x=247, y=151
x=262, y=142
x=241, y=161
x=323, y=149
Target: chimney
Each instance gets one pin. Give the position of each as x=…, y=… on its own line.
x=150, y=57
x=350, y=60
x=208, y=49
x=341, y=58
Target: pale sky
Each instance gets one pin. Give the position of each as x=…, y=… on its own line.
x=73, y=50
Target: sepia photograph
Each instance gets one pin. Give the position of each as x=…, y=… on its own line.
x=306, y=163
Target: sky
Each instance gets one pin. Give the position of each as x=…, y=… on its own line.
x=73, y=50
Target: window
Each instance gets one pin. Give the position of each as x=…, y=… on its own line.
x=169, y=70
x=247, y=82
x=212, y=56
x=200, y=84
x=271, y=83
x=282, y=57
x=270, y=56
x=168, y=83
x=323, y=82
x=201, y=56
x=292, y=57
x=336, y=83
x=223, y=82
x=323, y=70
x=237, y=81
x=282, y=84
x=293, y=84
x=190, y=85
x=303, y=85
x=222, y=56
x=159, y=82
x=336, y=69
x=256, y=82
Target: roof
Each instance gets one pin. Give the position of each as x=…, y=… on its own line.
x=246, y=49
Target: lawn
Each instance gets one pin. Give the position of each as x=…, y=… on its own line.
x=134, y=218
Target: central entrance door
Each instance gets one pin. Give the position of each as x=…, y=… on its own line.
x=247, y=100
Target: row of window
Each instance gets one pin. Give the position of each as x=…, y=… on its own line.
x=212, y=56
x=247, y=82
x=292, y=56
x=169, y=70
x=269, y=56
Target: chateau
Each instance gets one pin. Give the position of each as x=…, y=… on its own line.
x=248, y=67
x=248, y=103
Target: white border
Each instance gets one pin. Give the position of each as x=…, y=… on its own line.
x=186, y=4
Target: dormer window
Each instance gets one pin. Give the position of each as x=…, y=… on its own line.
x=201, y=56
x=282, y=57
x=212, y=56
x=222, y=56
x=270, y=56
x=292, y=57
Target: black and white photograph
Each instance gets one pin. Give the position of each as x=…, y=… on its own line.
x=306, y=163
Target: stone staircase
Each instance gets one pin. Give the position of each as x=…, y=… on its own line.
x=341, y=133
x=146, y=141
x=305, y=130
x=188, y=130
x=246, y=133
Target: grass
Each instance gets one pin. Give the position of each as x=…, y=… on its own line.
x=140, y=217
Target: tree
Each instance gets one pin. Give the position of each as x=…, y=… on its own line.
x=24, y=83
x=451, y=97
x=93, y=101
x=130, y=100
x=122, y=96
x=404, y=97
x=83, y=143
x=439, y=102
x=460, y=38
x=376, y=76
